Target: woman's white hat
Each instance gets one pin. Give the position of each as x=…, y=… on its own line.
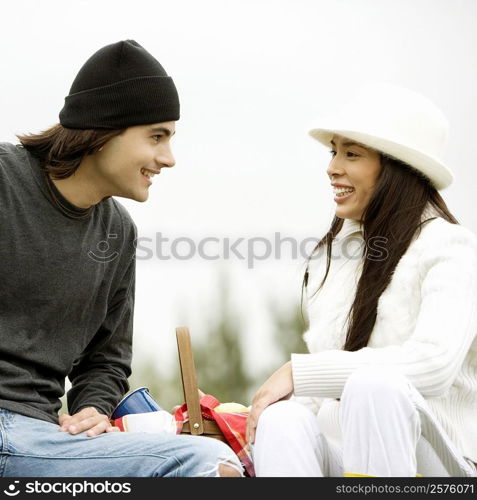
x=396, y=121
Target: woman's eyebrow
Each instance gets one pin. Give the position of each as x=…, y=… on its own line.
x=349, y=143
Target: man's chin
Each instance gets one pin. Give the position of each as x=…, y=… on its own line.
x=142, y=197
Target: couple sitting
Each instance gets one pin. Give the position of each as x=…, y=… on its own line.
x=389, y=387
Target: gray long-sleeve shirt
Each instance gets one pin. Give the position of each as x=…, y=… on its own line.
x=66, y=296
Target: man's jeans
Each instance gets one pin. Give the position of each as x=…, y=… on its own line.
x=35, y=448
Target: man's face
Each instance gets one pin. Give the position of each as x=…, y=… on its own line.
x=126, y=161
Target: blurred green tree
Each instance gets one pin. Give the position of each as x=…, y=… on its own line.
x=289, y=326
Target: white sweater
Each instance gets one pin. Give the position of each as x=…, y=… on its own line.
x=426, y=327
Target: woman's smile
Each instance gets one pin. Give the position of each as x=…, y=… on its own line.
x=342, y=192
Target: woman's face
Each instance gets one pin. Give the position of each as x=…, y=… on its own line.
x=354, y=170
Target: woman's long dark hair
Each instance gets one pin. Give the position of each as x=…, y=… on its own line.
x=394, y=215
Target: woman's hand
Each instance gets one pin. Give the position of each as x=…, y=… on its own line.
x=88, y=419
x=278, y=386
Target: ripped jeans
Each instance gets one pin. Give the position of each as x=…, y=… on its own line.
x=35, y=448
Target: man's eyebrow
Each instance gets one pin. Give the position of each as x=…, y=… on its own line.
x=349, y=143
x=164, y=130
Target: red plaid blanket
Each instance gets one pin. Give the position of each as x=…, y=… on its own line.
x=232, y=425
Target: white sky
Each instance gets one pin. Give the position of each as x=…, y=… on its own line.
x=252, y=76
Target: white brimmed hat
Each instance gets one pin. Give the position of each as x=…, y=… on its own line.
x=396, y=121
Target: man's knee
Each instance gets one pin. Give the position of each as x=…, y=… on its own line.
x=229, y=471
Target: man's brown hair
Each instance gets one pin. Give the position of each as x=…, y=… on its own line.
x=60, y=150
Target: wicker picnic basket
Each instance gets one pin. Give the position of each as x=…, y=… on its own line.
x=196, y=425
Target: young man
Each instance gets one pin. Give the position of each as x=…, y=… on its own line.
x=67, y=266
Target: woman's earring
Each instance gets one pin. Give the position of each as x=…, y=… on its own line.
x=100, y=149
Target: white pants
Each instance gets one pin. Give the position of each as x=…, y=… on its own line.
x=387, y=431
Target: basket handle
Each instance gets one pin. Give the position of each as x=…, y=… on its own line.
x=189, y=380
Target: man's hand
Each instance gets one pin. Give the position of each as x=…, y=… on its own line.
x=278, y=386
x=88, y=419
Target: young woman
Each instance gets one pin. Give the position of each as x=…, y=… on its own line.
x=389, y=387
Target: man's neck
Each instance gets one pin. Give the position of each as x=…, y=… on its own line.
x=80, y=189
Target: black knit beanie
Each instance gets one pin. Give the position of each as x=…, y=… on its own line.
x=119, y=86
